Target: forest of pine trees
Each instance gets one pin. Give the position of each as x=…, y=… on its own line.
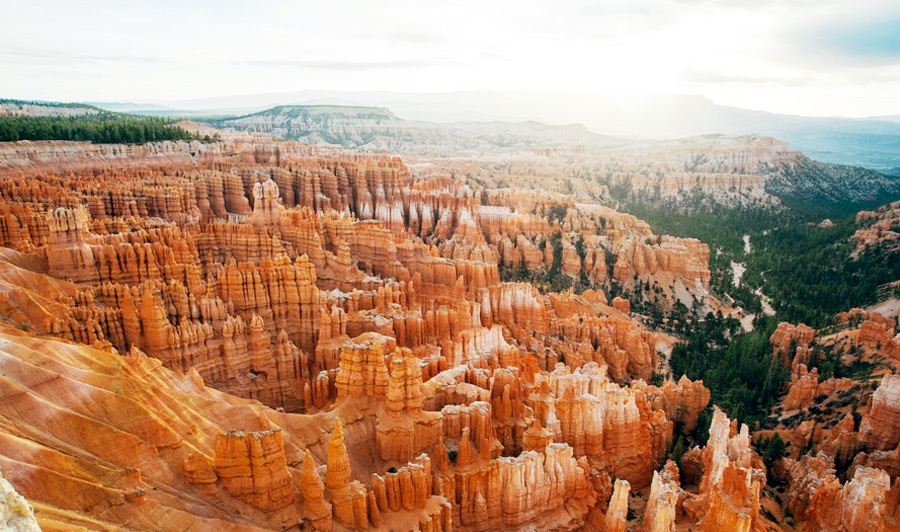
x=98, y=128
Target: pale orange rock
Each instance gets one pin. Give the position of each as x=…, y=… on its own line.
x=662, y=503
x=312, y=492
x=267, y=277
x=617, y=512
x=349, y=499
x=266, y=204
x=406, y=430
x=536, y=490
x=880, y=427
x=252, y=467
x=616, y=428
x=337, y=474
x=729, y=497
x=683, y=401
x=404, y=392
x=199, y=469
x=69, y=255
x=876, y=334
x=841, y=442
x=621, y=304
x=362, y=367
x=684, y=259
x=788, y=334
x=802, y=392
x=862, y=504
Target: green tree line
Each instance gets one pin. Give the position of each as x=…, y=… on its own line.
x=98, y=128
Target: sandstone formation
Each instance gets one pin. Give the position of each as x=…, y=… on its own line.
x=257, y=335
x=880, y=428
x=729, y=497
x=617, y=511
x=662, y=503
x=252, y=467
x=312, y=490
x=879, y=228
x=789, y=340
x=865, y=502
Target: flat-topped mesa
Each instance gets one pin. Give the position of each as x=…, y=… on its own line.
x=252, y=467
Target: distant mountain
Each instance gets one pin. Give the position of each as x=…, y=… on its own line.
x=377, y=128
x=894, y=118
x=872, y=143
x=531, y=133
x=36, y=108
x=171, y=112
x=126, y=107
x=827, y=188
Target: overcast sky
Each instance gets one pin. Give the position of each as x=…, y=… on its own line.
x=811, y=57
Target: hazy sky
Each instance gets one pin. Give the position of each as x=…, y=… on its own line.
x=813, y=57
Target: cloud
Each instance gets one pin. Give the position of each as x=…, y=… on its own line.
x=715, y=76
x=753, y=53
x=350, y=65
x=62, y=56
